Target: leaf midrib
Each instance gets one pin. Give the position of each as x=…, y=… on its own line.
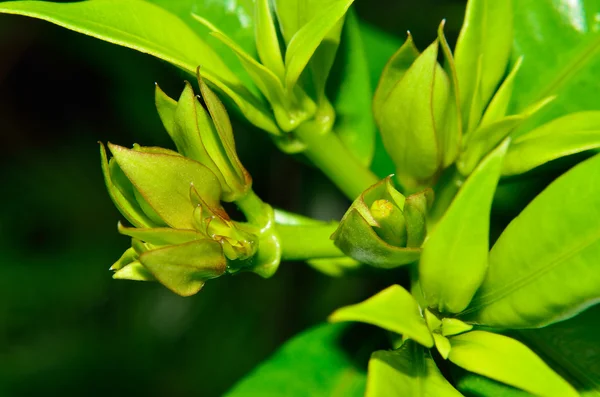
x=507, y=289
x=570, y=69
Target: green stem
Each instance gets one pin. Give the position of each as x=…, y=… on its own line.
x=307, y=241
x=327, y=152
x=256, y=211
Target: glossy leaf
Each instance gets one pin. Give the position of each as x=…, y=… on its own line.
x=307, y=39
x=498, y=107
x=571, y=348
x=487, y=136
x=408, y=371
x=234, y=17
x=482, y=54
x=294, y=15
x=393, y=309
x=509, y=361
x=454, y=259
x=164, y=182
x=125, y=22
x=559, y=42
x=267, y=43
x=483, y=140
x=566, y=135
x=540, y=275
x=473, y=385
x=449, y=127
x=265, y=80
x=442, y=344
x=453, y=326
x=311, y=364
x=351, y=93
x=407, y=121
x=186, y=267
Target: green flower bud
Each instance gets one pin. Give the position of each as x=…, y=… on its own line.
x=205, y=136
x=416, y=110
x=382, y=228
x=392, y=226
x=182, y=235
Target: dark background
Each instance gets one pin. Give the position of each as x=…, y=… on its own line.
x=67, y=328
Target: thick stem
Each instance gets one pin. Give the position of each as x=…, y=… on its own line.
x=327, y=152
x=256, y=211
x=308, y=241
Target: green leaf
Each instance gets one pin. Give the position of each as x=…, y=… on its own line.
x=559, y=45
x=454, y=258
x=164, y=182
x=267, y=82
x=487, y=136
x=234, y=17
x=571, y=348
x=566, y=135
x=408, y=371
x=483, y=140
x=407, y=121
x=498, y=107
x=449, y=126
x=311, y=364
x=473, y=385
x=442, y=344
x=393, y=309
x=186, y=267
x=509, y=361
x=350, y=93
x=392, y=73
x=482, y=54
x=544, y=266
x=267, y=43
x=308, y=38
x=125, y=23
x=453, y=326
x=293, y=15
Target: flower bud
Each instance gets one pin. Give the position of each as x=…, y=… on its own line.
x=182, y=235
x=205, y=136
x=382, y=227
x=392, y=226
x=417, y=116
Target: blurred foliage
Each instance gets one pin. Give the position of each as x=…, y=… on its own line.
x=67, y=328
